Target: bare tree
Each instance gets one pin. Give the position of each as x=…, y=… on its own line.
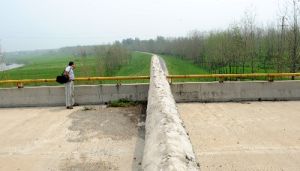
x=249, y=37
x=295, y=36
x=281, y=44
x=115, y=57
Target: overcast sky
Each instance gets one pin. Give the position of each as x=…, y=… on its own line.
x=44, y=24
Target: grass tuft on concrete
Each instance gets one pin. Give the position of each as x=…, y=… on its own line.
x=122, y=103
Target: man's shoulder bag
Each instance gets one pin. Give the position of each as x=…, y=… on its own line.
x=63, y=78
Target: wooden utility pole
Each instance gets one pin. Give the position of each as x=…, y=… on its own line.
x=281, y=47
x=294, y=55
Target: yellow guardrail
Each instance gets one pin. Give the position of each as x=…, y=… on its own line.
x=222, y=76
x=118, y=78
x=270, y=76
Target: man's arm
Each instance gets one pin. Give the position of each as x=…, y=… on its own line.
x=66, y=73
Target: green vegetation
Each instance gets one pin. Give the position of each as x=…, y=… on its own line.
x=122, y=103
x=112, y=58
x=49, y=66
x=246, y=70
x=225, y=52
x=177, y=66
x=139, y=65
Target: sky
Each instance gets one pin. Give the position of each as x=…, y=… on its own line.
x=48, y=24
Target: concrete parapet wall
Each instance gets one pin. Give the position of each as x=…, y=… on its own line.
x=236, y=91
x=182, y=92
x=55, y=96
x=167, y=145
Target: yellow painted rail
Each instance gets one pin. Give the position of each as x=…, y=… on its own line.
x=118, y=78
x=222, y=76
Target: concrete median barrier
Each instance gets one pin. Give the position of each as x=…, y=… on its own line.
x=167, y=145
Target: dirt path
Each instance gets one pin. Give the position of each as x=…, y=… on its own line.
x=161, y=61
x=163, y=65
x=249, y=136
x=4, y=67
x=60, y=139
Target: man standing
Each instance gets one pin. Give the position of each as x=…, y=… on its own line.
x=69, y=86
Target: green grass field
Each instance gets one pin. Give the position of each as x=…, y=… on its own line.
x=177, y=66
x=48, y=67
x=138, y=66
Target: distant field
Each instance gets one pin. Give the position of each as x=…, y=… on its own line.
x=39, y=67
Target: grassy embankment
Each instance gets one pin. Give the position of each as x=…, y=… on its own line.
x=177, y=66
x=48, y=67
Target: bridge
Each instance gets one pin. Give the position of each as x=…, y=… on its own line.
x=246, y=125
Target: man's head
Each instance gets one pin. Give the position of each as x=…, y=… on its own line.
x=72, y=64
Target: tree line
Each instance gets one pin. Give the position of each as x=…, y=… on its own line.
x=109, y=58
x=242, y=48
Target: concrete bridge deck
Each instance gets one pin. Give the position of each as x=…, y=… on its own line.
x=262, y=136
x=53, y=138
x=225, y=136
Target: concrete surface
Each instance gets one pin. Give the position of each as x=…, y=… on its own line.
x=85, y=94
x=53, y=138
x=167, y=145
x=236, y=91
x=163, y=65
x=262, y=136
